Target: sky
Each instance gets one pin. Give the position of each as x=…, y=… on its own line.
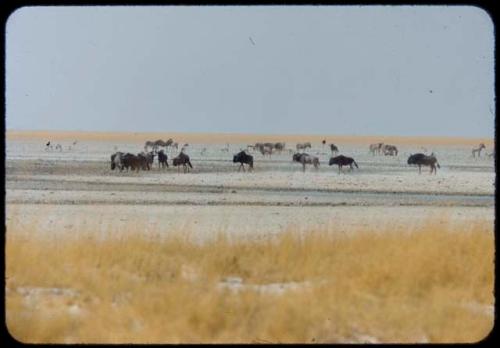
x=339, y=70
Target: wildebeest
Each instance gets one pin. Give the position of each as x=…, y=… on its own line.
x=116, y=161
x=243, y=158
x=342, y=161
x=389, y=150
x=478, y=150
x=135, y=162
x=162, y=159
x=420, y=160
x=305, y=158
x=334, y=149
x=182, y=159
x=150, y=157
x=303, y=146
x=279, y=147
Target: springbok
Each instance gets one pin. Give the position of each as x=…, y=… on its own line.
x=478, y=150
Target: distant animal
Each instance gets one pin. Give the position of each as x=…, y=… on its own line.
x=279, y=147
x=334, y=149
x=182, y=159
x=303, y=146
x=420, y=160
x=150, y=157
x=375, y=148
x=116, y=161
x=478, y=150
x=243, y=158
x=389, y=150
x=323, y=141
x=149, y=144
x=48, y=146
x=341, y=161
x=135, y=162
x=59, y=147
x=304, y=159
x=265, y=150
x=162, y=159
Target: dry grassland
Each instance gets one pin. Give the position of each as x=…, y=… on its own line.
x=433, y=284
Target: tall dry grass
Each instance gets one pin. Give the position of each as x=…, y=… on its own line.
x=430, y=285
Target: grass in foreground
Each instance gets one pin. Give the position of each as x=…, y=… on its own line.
x=430, y=285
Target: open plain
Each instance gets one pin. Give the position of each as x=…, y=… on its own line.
x=62, y=190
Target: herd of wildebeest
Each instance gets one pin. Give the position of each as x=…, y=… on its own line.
x=145, y=159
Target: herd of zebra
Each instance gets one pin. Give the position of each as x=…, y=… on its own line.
x=145, y=159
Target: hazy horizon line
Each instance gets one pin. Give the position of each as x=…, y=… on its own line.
x=248, y=134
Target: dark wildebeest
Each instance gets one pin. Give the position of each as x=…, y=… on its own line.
x=182, y=159
x=279, y=147
x=162, y=159
x=135, y=162
x=116, y=161
x=304, y=158
x=303, y=146
x=243, y=158
x=420, y=160
x=150, y=157
x=334, y=149
x=343, y=161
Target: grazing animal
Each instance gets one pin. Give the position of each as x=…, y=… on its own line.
x=478, y=150
x=375, y=148
x=59, y=147
x=243, y=158
x=117, y=161
x=48, y=146
x=389, y=150
x=265, y=150
x=135, y=162
x=303, y=146
x=162, y=159
x=150, y=157
x=279, y=147
x=304, y=158
x=182, y=159
x=334, y=149
x=149, y=144
x=420, y=160
x=343, y=161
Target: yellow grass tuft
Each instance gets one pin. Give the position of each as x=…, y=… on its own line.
x=433, y=284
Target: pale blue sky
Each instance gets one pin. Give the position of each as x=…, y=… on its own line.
x=340, y=70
